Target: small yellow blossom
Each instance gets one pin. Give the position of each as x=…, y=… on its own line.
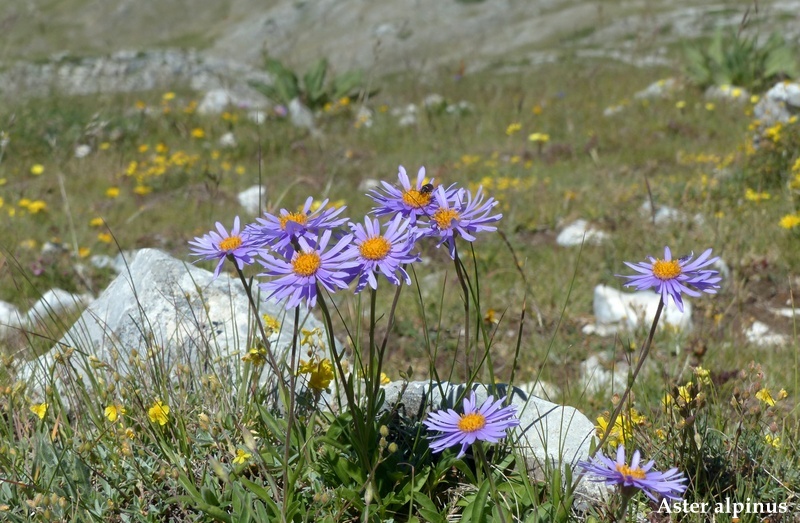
x=104, y=237
x=782, y=394
x=257, y=356
x=709, y=106
x=684, y=392
x=680, y=104
x=385, y=379
x=774, y=441
x=105, y=146
x=703, y=375
x=539, y=137
x=96, y=222
x=28, y=244
x=623, y=426
x=271, y=323
x=513, y=128
x=754, y=196
x=112, y=192
x=241, y=457
x=40, y=409
x=344, y=101
x=37, y=169
x=537, y=109
x=142, y=190
x=765, y=396
x=36, y=206
x=144, y=148
x=754, y=99
x=240, y=169
x=84, y=252
x=168, y=96
x=159, y=413
x=321, y=373
x=790, y=221
x=198, y=133
x=114, y=411
x=140, y=105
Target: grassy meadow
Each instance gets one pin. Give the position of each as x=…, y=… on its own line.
x=157, y=176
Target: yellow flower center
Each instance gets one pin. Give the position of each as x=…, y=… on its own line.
x=414, y=198
x=471, y=422
x=297, y=217
x=637, y=473
x=306, y=263
x=375, y=248
x=443, y=217
x=230, y=243
x=666, y=270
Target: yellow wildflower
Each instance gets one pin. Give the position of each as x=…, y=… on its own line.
x=539, y=137
x=703, y=375
x=104, y=237
x=112, y=192
x=144, y=148
x=709, y=106
x=168, y=96
x=114, y=411
x=198, y=133
x=775, y=441
x=36, y=206
x=142, y=190
x=513, y=128
x=159, y=413
x=680, y=104
x=754, y=99
x=241, y=457
x=257, y=356
x=684, y=392
x=96, y=222
x=623, y=426
x=105, y=146
x=84, y=252
x=385, y=379
x=40, y=409
x=765, y=396
x=37, y=169
x=271, y=323
x=754, y=196
x=782, y=394
x=790, y=221
x=321, y=373
x=344, y=101
x=537, y=109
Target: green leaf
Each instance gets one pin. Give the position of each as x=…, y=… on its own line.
x=314, y=83
x=478, y=509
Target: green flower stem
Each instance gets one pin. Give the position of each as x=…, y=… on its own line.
x=481, y=455
x=290, y=418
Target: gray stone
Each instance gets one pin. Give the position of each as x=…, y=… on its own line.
x=762, y=335
x=11, y=319
x=597, y=377
x=55, y=302
x=162, y=307
x=549, y=435
x=728, y=92
x=300, y=115
x=578, y=232
x=615, y=310
x=253, y=199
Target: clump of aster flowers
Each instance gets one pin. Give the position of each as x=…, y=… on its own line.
x=675, y=277
x=489, y=423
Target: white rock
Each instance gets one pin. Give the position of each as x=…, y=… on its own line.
x=579, y=232
x=176, y=309
x=615, y=310
x=55, y=302
x=666, y=215
x=215, y=101
x=82, y=151
x=786, y=312
x=788, y=92
x=407, y=120
x=300, y=115
x=596, y=379
x=658, y=89
x=253, y=199
x=727, y=92
x=368, y=184
x=257, y=117
x=540, y=389
x=760, y=334
x=11, y=319
x=227, y=140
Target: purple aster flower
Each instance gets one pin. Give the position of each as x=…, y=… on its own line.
x=297, y=279
x=459, y=213
x=411, y=201
x=384, y=253
x=219, y=244
x=489, y=423
x=669, y=484
x=675, y=277
x=278, y=231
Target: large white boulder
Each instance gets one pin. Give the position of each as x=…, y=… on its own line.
x=615, y=310
x=170, y=313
